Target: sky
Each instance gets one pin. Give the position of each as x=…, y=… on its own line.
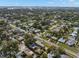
x=54, y=3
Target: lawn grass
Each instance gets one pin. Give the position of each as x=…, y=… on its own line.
x=47, y=45
x=68, y=47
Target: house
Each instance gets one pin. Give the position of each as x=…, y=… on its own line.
x=56, y=30
x=25, y=49
x=39, y=43
x=53, y=37
x=71, y=42
x=76, y=28
x=61, y=40
x=73, y=34
x=18, y=55
x=48, y=35
x=64, y=56
x=36, y=48
x=28, y=52
x=37, y=31
x=20, y=38
x=33, y=46
x=50, y=55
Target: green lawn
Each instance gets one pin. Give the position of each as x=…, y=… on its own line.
x=74, y=49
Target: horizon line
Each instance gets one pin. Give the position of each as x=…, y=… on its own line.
x=36, y=6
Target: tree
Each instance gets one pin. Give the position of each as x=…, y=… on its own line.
x=28, y=39
x=56, y=53
x=44, y=55
x=9, y=48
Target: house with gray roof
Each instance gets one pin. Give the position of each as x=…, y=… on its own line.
x=71, y=42
x=61, y=40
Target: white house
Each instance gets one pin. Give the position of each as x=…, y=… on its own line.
x=61, y=40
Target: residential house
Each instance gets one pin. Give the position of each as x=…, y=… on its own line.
x=50, y=55
x=61, y=40
x=36, y=48
x=40, y=43
x=71, y=41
